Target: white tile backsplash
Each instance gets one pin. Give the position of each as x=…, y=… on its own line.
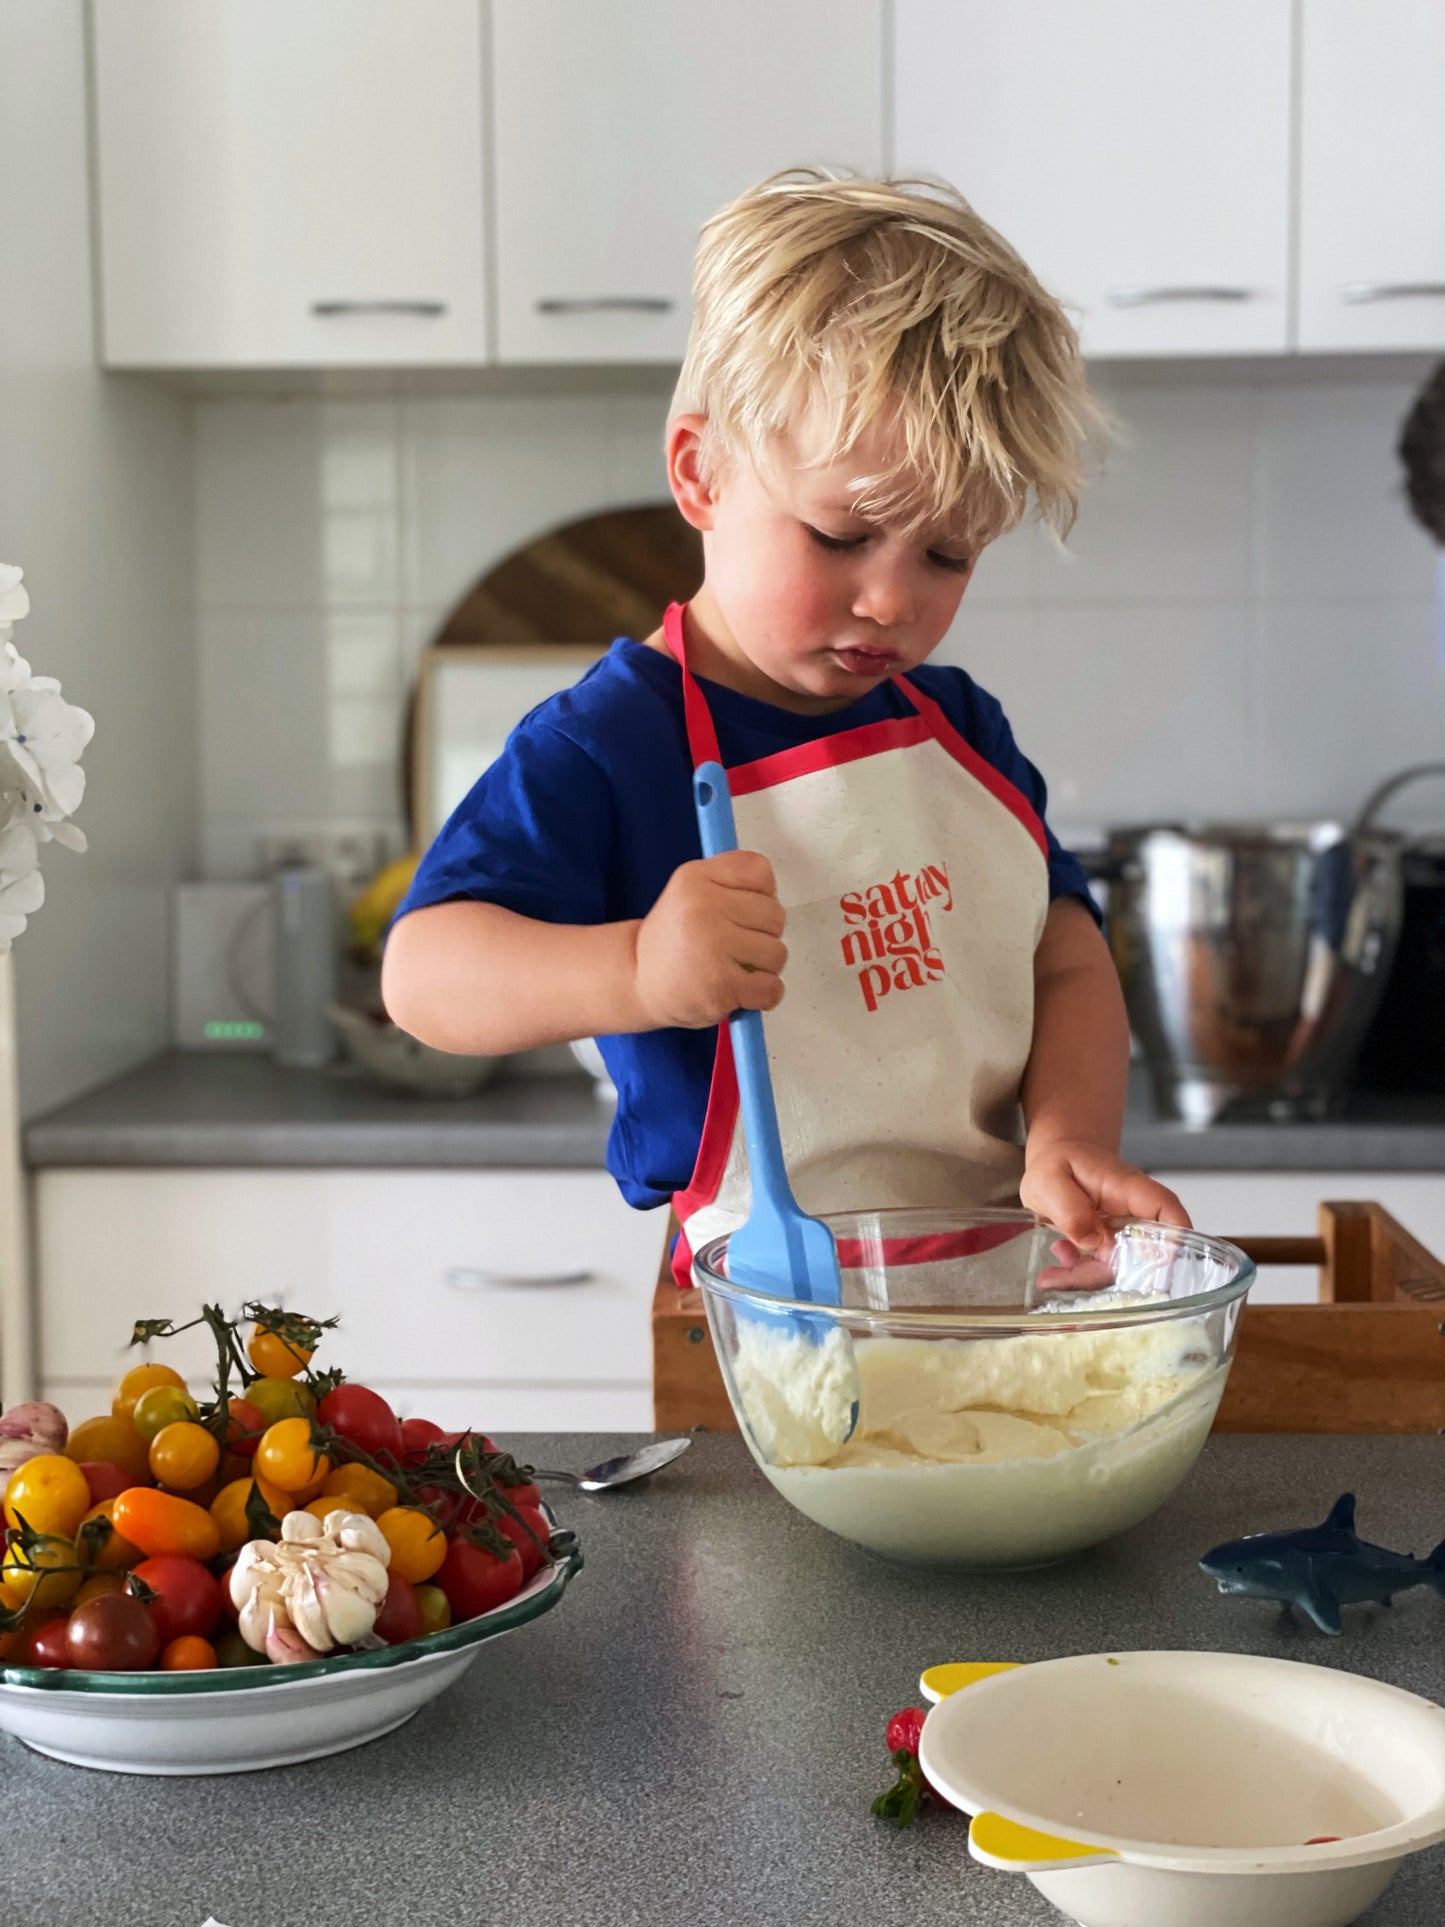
x=1243, y=622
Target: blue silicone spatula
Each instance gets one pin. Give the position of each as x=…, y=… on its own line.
x=780, y=1250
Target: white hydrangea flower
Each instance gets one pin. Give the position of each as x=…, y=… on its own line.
x=41, y=781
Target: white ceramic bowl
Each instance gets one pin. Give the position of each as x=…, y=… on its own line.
x=239, y=1720
x=391, y=1055
x=1182, y=1789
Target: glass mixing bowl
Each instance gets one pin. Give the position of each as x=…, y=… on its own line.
x=1013, y=1399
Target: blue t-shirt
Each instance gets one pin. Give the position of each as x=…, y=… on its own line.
x=588, y=811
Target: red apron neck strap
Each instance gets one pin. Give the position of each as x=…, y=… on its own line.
x=701, y=736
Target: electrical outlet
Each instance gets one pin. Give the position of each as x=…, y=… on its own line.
x=352, y=855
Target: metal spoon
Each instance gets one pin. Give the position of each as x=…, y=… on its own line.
x=632, y=1465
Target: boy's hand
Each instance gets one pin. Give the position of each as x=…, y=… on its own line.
x=712, y=943
x=1075, y=1185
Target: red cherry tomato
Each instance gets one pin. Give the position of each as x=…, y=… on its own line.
x=524, y=1494
x=112, y=1634
x=47, y=1645
x=416, y=1435
x=365, y=1419
x=106, y=1481
x=188, y=1601
x=532, y=1553
x=400, y=1615
x=247, y=1423
x=475, y=1580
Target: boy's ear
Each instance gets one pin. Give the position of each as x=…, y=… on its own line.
x=688, y=476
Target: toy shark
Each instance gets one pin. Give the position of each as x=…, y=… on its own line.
x=1321, y=1568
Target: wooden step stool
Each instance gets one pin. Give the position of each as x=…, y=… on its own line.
x=1368, y=1357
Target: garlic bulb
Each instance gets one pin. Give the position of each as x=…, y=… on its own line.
x=320, y=1587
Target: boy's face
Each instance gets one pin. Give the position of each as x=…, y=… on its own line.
x=821, y=603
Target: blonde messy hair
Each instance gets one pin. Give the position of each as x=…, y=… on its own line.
x=889, y=305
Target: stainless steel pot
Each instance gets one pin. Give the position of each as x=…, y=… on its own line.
x=1252, y=958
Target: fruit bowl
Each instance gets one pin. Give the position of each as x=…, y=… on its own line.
x=1016, y=1399
x=240, y=1720
x=389, y=1054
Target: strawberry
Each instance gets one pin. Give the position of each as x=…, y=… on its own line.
x=908, y=1792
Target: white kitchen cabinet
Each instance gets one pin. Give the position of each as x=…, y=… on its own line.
x=1136, y=155
x=1372, y=175
x=289, y=182
x=509, y=1299
x=1284, y=1204
x=619, y=130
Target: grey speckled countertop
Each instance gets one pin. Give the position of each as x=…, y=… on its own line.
x=693, y=1737
x=199, y=1108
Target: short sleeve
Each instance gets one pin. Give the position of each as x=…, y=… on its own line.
x=980, y=719
x=536, y=834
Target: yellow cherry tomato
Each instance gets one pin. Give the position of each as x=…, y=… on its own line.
x=367, y=1490
x=104, y=1551
x=329, y=1502
x=183, y=1455
x=161, y=1406
x=278, y=1398
x=228, y=1509
x=110, y=1441
x=418, y=1544
x=436, y=1609
x=51, y=1494
x=48, y=1575
x=285, y=1456
x=276, y=1356
x=97, y=1584
x=137, y=1381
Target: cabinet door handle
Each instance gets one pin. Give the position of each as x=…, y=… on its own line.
x=1151, y=297
x=606, y=304
x=429, y=310
x=477, y=1278
x=1357, y=291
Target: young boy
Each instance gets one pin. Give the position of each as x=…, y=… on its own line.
x=874, y=386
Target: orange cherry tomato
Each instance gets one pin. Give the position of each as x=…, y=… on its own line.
x=286, y=1458
x=51, y=1494
x=110, y=1441
x=367, y=1490
x=418, y=1544
x=228, y=1509
x=137, y=1381
x=188, y=1654
x=107, y=1551
x=48, y=1575
x=159, y=1522
x=184, y=1455
x=276, y=1356
x=161, y=1406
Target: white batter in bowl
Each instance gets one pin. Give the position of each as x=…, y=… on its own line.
x=1019, y=1401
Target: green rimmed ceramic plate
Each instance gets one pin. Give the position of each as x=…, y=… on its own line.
x=240, y=1720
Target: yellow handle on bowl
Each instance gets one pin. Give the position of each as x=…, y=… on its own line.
x=1004, y=1844
x=939, y=1682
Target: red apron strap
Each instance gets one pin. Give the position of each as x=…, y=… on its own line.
x=701, y=736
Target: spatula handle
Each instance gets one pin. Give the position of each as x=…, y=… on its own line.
x=719, y=835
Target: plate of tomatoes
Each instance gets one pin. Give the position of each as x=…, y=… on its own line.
x=276, y=1571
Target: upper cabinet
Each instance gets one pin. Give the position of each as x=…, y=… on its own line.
x=620, y=129
x=323, y=183
x=290, y=184
x=1372, y=175
x=1136, y=154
